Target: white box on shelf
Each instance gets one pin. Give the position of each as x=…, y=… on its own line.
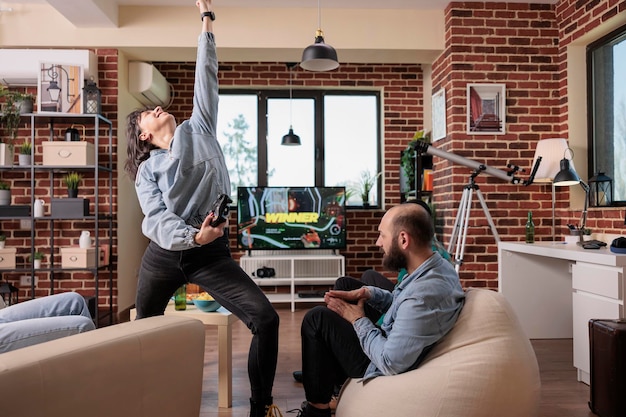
x=64, y=153
x=75, y=257
x=7, y=258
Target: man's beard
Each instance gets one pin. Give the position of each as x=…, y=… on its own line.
x=394, y=260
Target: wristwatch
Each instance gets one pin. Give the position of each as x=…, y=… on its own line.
x=210, y=14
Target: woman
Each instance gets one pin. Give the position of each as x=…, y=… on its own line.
x=179, y=172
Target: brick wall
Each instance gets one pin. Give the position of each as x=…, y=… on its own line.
x=401, y=91
x=65, y=233
x=522, y=46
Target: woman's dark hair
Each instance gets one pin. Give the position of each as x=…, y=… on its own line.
x=137, y=150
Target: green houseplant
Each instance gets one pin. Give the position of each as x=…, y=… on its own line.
x=15, y=104
x=366, y=183
x=5, y=193
x=71, y=181
x=407, y=159
x=37, y=257
x=26, y=149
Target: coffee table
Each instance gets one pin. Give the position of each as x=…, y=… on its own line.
x=223, y=319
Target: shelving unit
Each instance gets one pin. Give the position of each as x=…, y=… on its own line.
x=295, y=269
x=100, y=218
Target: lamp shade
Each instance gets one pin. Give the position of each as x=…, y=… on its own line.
x=291, y=139
x=319, y=56
x=551, y=152
x=567, y=175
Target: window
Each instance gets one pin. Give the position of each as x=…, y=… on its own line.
x=339, y=133
x=606, y=60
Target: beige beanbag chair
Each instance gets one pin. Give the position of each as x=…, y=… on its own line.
x=484, y=367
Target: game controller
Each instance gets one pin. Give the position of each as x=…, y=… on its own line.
x=220, y=210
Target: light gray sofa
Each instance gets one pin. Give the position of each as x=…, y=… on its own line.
x=145, y=368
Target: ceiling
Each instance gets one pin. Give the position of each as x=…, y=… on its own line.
x=99, y=13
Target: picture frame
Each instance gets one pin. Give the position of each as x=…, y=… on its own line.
x=486, y=109
x=60, y=88
x=439, y=115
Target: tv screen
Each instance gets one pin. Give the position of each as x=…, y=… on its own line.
x=291, y=218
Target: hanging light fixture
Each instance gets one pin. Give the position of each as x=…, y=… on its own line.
x=290, y=139
x=319, y=56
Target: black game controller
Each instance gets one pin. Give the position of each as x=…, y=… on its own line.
x=220, y=210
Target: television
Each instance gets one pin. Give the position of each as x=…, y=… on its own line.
x=271, y=218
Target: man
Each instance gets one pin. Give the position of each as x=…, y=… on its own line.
x=339, y=341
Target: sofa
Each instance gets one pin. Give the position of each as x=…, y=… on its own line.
x=484, y=367
x=145, y=368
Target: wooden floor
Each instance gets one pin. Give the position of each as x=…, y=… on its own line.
x=562, y=395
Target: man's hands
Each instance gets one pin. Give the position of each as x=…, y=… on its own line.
x=341, y=303
x=208, y=233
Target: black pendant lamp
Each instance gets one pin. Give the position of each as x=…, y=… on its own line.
x=290, y=139
x=319, y=56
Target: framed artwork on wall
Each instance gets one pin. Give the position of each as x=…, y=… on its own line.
x=439, y=115
x=60, y=88
x=486, y=109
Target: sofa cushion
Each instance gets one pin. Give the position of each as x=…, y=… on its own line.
x=484, y=367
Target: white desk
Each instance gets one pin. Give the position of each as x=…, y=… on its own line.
x=556, y=288
x=223, y=319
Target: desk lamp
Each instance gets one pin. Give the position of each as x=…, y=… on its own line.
x=551, y=152
x=567, y=176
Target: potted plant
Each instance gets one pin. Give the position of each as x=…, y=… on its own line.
x=407, y=160
x=5, y=193
x=71, y=181
x=366, y=184
x=14, y=106
x=37, y=258
x=3, y=240
x=24, y=157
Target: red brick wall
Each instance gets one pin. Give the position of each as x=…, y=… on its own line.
x=576, y=19
x=66, y=233
x=522, y=46
x=401, y=91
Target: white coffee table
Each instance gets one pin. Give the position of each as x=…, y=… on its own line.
x=223, y=319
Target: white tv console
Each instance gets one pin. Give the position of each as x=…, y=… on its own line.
x=294, y=268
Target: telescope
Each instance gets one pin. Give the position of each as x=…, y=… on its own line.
x=459, y=231
x=508, y=176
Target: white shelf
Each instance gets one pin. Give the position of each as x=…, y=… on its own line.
x=293, y=269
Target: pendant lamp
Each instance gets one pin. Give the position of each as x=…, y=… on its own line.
x=290, y=139
x=319, y=56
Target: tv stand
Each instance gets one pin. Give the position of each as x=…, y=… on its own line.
x=295, y=268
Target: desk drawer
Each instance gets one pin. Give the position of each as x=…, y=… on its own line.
x=597, y=279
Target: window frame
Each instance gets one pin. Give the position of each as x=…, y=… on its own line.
x=619, y=33
x=263, y=95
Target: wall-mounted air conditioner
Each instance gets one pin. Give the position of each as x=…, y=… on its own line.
x=148, y=85
x=21, y=66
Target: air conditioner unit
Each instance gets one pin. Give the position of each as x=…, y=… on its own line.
x=148, y=85
x=21, y=66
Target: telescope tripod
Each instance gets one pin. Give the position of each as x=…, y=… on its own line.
x=456, y=248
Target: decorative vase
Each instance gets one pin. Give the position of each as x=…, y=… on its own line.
x=2, y=243
x=72, y=192
x=5, y=197
x=6, y=155
x=24, y=160
x=37, y=263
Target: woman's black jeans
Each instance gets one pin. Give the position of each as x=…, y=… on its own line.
x=213, y=269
